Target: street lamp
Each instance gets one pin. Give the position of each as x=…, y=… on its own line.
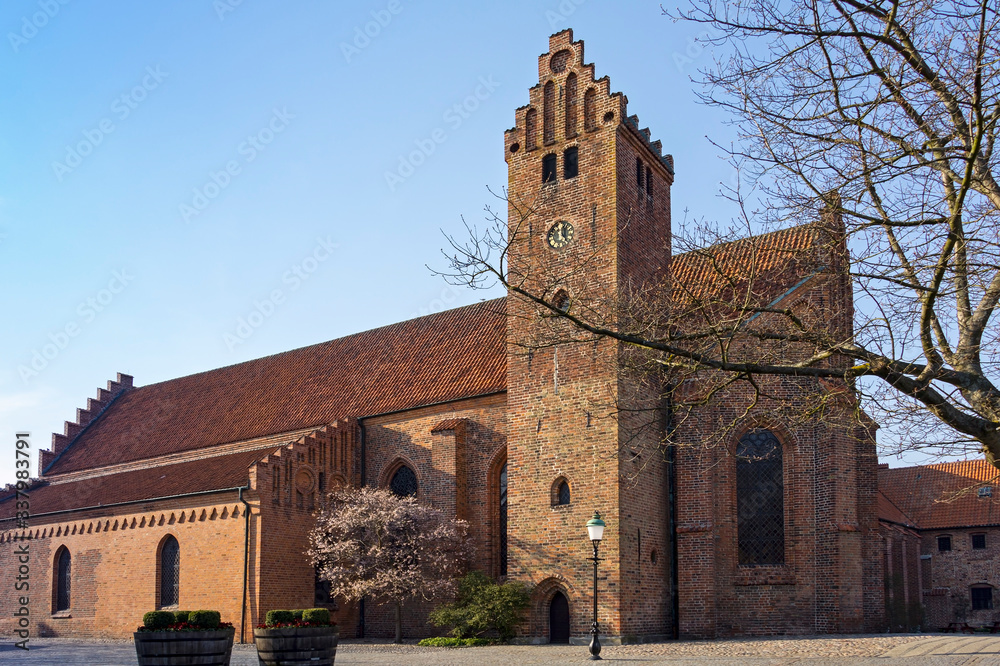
x=595, y=528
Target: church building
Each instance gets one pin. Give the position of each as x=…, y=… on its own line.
x=199, y=492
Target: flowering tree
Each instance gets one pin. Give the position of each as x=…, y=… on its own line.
x=370, y=542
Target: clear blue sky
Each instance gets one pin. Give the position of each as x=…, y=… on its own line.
x=166, y=166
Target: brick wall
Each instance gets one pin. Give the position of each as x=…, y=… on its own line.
x=903, y=585
x=949, y=576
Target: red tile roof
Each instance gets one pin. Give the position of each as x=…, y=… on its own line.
x=229, y=471
x=776, y=260
x=889, y=512
x=945, y=495
x=438, y=358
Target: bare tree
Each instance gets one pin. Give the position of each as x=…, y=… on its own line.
x=371, y=543
x=876, y=123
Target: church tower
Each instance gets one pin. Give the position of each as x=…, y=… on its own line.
x=589, y=218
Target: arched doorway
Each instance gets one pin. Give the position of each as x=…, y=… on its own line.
x=559, y=619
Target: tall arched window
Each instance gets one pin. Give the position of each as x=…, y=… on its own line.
x=62, y=579
x=571, y=105
x=530, y=128
x=549, y=113
x=170, y=572
x=404, y=482
x=503, y=520
x=760, y=491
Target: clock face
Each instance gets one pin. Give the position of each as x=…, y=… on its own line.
x=561, y=234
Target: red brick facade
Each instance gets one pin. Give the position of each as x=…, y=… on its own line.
x=458, y=398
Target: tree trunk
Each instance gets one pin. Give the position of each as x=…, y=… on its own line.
x=399, y=622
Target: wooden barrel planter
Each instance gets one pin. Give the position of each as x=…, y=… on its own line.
x=295, y=646
x=184, y=648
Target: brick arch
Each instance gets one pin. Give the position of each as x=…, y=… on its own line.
x=57, y=555
x=159, y=565
x=389, y=470
x=541, y=597
x=554, y=491
x=493, y=469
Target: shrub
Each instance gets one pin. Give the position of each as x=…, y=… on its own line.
x=274, y=617
x=297, y=613
x=483, y=605
x=205, y=619
x=450, y=641
x=181, y=616
x=157, y=620
x=316, y=616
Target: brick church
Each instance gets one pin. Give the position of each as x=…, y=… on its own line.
x=198, y=492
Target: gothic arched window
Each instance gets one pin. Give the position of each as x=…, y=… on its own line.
x=404, y=482
x=760, y=500
x=503, y=520
x=170, y=572
x=62, y=579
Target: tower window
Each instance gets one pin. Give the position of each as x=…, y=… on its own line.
x=760, y=494
x=982, y=598
x=63, y=569
x=170, y=572
x=638, y=173
x=979, y=542
x=404, y=482
x=944, y=544
x=560, y=492
x=549, y=168
x=571, y=162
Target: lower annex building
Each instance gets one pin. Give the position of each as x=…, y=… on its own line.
x=199, y=491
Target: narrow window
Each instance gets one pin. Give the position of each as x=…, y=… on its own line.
x=760, y=499
x=561, y=300
x=562, y=494
x=982, y=598
x=549, y=113
x=549, y=168
x=571, y=105
x=649, y=181
x=589, y=102
x=404, y=482
x=503, y=520
x=638, y=173
x=63, y=568
x=571, y=163
x=944, y=544
x=978, y=542
x=530, y=129
x=170, y=572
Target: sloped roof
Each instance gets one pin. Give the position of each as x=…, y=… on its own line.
x=432, y=359
x=776, y=261
x=945, y=495
x=220, y=472
x=889, y=512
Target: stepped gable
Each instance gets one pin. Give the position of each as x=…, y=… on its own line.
x=945, y=495
x=228, y=471
x=84, y=417
x=780, y=259
x=437, y=358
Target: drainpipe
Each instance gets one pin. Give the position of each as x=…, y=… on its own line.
x=672, y=514
x=246, y=562
x=364, y=456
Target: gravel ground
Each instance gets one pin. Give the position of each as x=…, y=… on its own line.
x=816, y=651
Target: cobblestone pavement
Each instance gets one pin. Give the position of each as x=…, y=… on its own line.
x=881, y=650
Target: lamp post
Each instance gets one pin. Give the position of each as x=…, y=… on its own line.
x=595, y=529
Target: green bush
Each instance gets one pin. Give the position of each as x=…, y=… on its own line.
x=297, y=613
x=274, y=617
x=316, y=615
x=181, y=616
x=206, y=619
x=449, y=641
x=157, y=620
x=483, y=605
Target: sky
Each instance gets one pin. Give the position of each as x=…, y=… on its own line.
x=192, y=184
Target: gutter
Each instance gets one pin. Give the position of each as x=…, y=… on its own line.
x=246, y=562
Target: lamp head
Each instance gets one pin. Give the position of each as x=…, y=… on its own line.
x=595, y=527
